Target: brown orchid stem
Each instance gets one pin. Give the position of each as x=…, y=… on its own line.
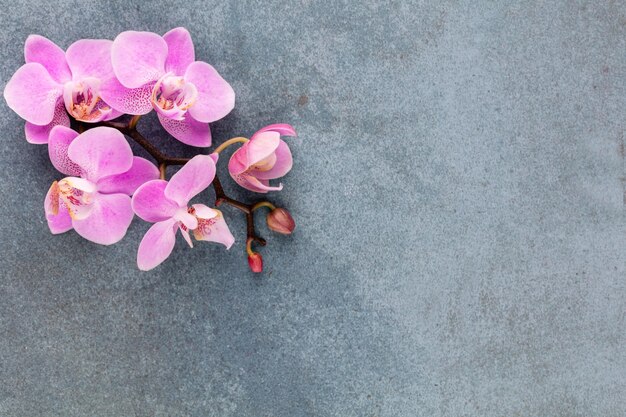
x=130, y=129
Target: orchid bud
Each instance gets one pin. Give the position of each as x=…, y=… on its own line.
x=279, y=220
x=255, y=261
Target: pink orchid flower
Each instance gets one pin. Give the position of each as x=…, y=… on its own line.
x=264, y=157
x=161, y=73
x=53, y=81
x=102, y=174
x=166, y=205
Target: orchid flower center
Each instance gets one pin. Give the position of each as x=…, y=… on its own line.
x=264, y=164
x=172, y=96
x=82, y=100
x=77, y=194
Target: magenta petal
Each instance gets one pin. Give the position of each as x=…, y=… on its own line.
x=140, y=172
x=188, y=130
x=33, y=94
x=195, y=176
x=150, y=204
x=60, y=222
x=138, y=58
x=213, y=229
x=157, y=244
x=101, y=152
x=127, y=100
x=283, y=128
x=90, y=58
x=216, y=97
x=259, y=186
x=282, y=166
x=180, y=51
x=60, y=139
x=45, y=52
x=108, y=221
x=39, y=134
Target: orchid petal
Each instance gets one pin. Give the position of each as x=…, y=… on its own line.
x=253, y=151
x=57, y=214
x=188, y=130
x=195, y=176
x=214, y=229
x=203, y=212
x=101, y=152
x=180, y=50
x=250, y=183
x=157, y=244
x=39, y=134
x=150, y=204
x=282, y=128
x=109, y=219
x=45, y=52
x=33, y=94
x=139, y=173
x=138, y=58
x=127, y=100
x=60, y=139
x=186, y=219
x=282, y=165
x=216, y=97
x=90, y=58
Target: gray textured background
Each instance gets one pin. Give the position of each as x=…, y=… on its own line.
x=459, y=193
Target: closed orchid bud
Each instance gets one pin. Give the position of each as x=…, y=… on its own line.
x=255, y=261
x=279, y=220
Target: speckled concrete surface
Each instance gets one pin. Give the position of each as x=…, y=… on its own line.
x=461, y=241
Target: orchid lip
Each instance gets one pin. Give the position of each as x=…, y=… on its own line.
x=83, y=102
x=172, y=96
x=78, y=194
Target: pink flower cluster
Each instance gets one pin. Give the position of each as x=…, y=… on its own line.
x=95, y=81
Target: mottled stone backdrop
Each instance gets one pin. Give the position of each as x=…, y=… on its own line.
x=461, y=242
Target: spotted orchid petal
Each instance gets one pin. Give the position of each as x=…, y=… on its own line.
x=189, y=131
x=127, y=100
x=157, y=244
x=108, y=221
x=211, y=226
x=216, y=97
x=101, y=152
x=138, y=58
x=150, y=203
x=140, y=172
x=45, y=52
x=194, y=177
x=33, y=94
x=60, y=139
x=180, y=50
x=39, y=134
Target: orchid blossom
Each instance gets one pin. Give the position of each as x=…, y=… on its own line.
x=161, y=73
x=53, y=82
x=166, y=205
x=264, y=157
x=98, y=80
x=102, y=173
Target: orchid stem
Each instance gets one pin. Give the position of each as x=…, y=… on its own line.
x=162, y=169
x=230, y=142
x=263, y=204
x=132, y=124
x=163, y=161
